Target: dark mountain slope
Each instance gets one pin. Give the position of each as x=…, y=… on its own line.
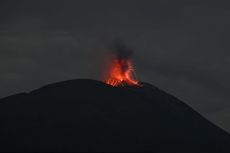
x=88, y=115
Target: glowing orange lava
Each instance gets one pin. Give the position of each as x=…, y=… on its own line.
x=121, y=73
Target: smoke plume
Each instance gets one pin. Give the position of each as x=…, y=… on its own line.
x=121, y=51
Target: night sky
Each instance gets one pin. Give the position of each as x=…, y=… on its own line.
x=181, y=47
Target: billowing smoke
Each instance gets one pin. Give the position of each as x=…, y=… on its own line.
x=121, y=51
x=122, y=54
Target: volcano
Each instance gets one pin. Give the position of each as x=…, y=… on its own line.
x=88, y=115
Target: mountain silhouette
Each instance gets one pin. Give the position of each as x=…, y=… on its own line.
x=88, y=115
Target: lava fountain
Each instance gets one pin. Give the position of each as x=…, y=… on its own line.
x=121, y=71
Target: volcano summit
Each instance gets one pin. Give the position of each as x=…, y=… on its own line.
x=88, y=115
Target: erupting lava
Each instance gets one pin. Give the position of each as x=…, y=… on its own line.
x=121, y=73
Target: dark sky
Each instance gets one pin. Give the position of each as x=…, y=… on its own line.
x=180, y=46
